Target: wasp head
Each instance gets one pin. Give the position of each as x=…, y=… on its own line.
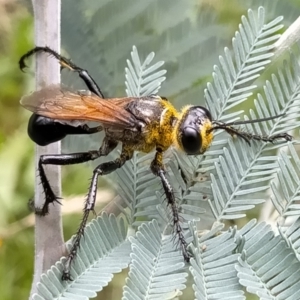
x=193, y=130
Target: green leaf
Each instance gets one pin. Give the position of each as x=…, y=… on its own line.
x=103, y=252
x=157, y=269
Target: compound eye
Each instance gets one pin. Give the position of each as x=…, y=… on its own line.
x=191, y=140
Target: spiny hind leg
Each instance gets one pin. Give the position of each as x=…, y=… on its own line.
x=65, y=63
x=100, y=170
x=66, y=159
x=157, y=168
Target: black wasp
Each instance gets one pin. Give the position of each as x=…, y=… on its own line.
x=139, y=123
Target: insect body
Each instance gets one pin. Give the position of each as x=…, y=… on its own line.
x=45, y=131
x=139, y=123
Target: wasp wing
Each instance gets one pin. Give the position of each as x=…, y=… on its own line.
x=56, y=103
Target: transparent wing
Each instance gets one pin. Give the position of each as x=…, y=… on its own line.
x=55, y=103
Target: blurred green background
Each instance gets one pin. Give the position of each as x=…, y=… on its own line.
x=104, y=55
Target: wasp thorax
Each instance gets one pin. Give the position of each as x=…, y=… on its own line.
x=192, y=130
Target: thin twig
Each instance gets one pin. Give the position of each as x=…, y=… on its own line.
x=49, y=243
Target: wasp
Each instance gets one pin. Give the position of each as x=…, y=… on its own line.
x=139, y=123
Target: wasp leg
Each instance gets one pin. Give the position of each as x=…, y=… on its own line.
x=65, y=63
x=66, y=159
x=157, y=168
x=83, y=129
x=102, y=169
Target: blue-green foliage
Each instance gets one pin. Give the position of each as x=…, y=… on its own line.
x=231, y=174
